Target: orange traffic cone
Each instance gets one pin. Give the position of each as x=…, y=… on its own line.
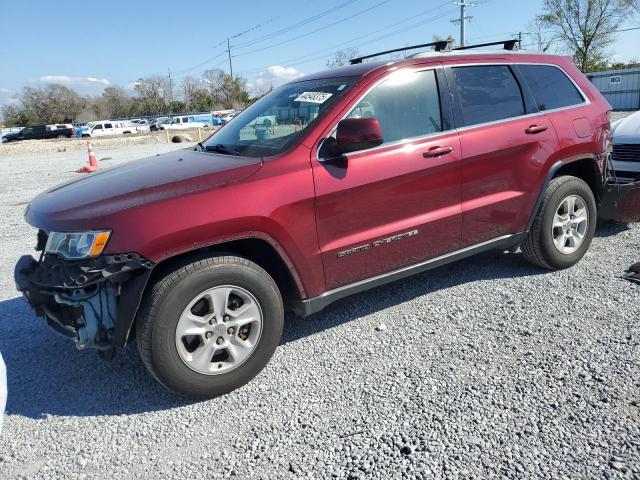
x=92, y=166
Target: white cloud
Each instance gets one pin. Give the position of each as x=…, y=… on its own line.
x=272, y=77
x=82, y=85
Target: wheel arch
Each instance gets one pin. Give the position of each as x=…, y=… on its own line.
x=255, y=248
x=584, y=167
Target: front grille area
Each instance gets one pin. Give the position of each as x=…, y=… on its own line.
x=626, y=153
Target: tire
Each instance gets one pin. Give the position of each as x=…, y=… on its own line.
x=540, y=246
x=164, y=351
x=60, y=136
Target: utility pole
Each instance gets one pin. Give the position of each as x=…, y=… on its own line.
x=463, y=18
x=229, y=52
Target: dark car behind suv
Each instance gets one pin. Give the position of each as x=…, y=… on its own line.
x=334, y=183
x=40, y=132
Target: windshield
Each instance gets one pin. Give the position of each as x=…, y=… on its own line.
x=276, y=121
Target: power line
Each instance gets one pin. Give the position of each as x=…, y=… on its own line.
x=361, y=12
x=313, y=56
x=296, y=25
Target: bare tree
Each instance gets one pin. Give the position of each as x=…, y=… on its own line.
x=586, y=28
x=633, y=5
x=342, y=57
x=53, y=103
x=190, y=86
x=117, y=102
x=539, y=35
x=226, y=91
x=152, y=95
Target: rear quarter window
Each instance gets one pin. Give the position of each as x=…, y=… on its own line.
x=551, y=87
x=487, y=94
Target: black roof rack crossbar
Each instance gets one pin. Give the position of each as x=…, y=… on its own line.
x=438, y=46
x=506, y=44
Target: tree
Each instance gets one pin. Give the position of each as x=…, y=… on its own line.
x=153, y=95
x=18, y=116
x=52, y=104
x=116, y=102
x=226, y=91
x=539, y=35
x=342, y=57
x=586, y=28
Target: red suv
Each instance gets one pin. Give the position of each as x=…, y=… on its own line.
x=329, y=185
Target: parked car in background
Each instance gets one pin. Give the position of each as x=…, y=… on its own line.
x=39, y=132
x=183, y=122
x=626, y=148
x=112, y=127
x=459, y=153
x=227, y=117
x=155, y=125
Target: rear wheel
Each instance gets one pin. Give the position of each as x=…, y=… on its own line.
x=210, y=326
x=60, y=136
x=563, y=228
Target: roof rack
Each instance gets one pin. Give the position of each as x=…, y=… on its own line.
x=439, y=46
x=512, y=44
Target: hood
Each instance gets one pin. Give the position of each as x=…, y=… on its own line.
x=91, y=198
x=627, y=130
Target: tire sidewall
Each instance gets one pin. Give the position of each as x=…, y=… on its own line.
x=173, y=371
x=552, y=255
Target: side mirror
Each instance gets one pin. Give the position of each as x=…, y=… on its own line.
x=355, y=134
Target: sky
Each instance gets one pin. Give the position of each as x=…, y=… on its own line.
x=89, y=46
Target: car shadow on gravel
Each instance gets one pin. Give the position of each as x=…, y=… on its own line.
x=47, y=377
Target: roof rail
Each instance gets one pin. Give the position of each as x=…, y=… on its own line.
x=439, y=46
x=512, y=44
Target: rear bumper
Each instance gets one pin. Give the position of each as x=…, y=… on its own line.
x=620, y=202
x=92, y=302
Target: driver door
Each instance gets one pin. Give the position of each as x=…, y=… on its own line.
x=397, y=204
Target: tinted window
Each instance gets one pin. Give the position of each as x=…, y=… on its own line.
x=406, y=105
x=108, y=125
x=98, y=127
x=487, y=94
x=550, y=86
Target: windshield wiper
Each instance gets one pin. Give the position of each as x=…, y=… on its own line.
x=220, y=148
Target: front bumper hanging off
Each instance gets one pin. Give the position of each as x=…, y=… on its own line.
x=92, y=302
x=620, y=202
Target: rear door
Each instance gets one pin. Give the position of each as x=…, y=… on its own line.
x=394, y=205
x=505, y=145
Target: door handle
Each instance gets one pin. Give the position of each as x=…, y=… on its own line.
x=533, y=129
x=437, y=151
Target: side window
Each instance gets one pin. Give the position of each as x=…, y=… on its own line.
x=405, y=104
x=487, y=93
x=108, y=125
x=98, y=127
x=185, y=120
x=550, y=87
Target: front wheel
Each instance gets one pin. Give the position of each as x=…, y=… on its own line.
x=210, y=326
x=564, y=227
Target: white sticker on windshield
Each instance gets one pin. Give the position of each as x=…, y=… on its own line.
x=313, y=97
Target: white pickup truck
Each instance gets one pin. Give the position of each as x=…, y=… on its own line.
x=111, y=127
x=183, y=122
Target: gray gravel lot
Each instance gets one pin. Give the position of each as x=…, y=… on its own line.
x=486, y=368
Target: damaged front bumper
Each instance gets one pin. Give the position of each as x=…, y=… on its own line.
x=620, y=202
x=92, y=301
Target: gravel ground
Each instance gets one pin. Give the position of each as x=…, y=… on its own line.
x=484, y=368
x=56, y=145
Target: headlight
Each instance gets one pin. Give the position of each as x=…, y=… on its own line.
x=77, y=245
